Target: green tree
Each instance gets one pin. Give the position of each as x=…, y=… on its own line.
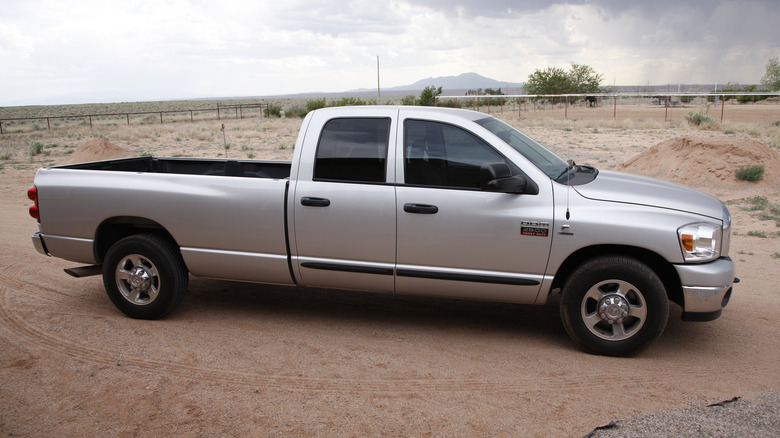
x=584, y=79
x=771, y=79
x=428, y=96
x=552, y=80
x=580, y=79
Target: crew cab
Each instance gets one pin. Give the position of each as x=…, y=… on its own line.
x=402, y=200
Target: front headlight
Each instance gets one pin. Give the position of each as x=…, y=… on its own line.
x=700, y=242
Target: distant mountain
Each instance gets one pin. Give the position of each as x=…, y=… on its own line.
x=465, y=81
x=451, y=85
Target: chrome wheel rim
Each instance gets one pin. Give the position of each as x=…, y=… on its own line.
x=614, y=310
x=137, y=279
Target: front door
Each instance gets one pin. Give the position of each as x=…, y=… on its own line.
x=455, y=240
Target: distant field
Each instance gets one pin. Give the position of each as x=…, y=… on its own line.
x=191, y=128
x=187, y=110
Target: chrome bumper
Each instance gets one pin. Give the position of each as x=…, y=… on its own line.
x=706, y=287
x=40, y=246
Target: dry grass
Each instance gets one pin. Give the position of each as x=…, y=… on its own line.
x=254, y=136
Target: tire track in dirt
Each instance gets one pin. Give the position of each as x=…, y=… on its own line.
x=65, y=345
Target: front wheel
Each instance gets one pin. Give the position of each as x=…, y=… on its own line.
x=144, y=276
x=614, y=305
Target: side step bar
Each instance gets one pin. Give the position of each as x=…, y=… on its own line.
x=85, y=271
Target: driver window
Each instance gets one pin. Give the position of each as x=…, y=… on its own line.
x=441, y=155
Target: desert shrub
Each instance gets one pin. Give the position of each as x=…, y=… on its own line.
x=36, y=147
x=700, y=120
x=5, y=156
x=347, y=101
x=750, y=99
x=296, y=111
x=493, y=101
x=774, y=141
x=449, y=103
x=313, y=104
x=273, y=110
x=752, y=173
x=408, y=100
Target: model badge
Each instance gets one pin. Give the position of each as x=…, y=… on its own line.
x=540, y=229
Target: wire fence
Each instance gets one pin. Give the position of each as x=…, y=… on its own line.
x=670, y=106
x=239, y=111
x=747, y=107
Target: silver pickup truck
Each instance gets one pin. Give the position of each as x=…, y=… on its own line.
x=405, y=200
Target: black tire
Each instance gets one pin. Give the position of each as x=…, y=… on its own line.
x=614, y=306
x=145, y=276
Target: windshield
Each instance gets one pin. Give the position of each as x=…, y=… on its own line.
x=545, y=160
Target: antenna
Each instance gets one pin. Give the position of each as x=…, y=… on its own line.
x=568, y=188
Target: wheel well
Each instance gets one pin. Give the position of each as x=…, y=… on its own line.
x=115, y=229
x=658, y=264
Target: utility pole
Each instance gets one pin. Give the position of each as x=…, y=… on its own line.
x=378, y=93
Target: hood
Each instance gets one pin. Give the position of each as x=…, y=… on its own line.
x=632, y=189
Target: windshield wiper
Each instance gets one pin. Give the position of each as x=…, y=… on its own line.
x=571, y=165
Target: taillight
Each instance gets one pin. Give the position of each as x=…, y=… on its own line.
x=32, y=193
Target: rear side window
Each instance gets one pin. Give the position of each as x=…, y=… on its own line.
x=353, y=150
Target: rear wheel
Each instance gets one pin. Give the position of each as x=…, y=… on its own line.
x=614, y=305
x=145, y=276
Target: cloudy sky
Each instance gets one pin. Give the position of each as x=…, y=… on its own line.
x=75, y=51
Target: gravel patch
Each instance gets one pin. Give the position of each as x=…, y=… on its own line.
x=757, y=418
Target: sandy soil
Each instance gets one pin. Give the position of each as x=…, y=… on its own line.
x=239, y=359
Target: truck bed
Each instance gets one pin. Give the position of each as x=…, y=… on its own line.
x=192, y=166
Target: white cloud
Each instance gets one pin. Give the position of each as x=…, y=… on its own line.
x=151, y=49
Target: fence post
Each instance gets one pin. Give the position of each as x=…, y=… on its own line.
x=566, y=108
x=90, y=122
x=722, y=104
x=48, y=125
x=666, y=107
x=1, y=127
x=614, y=108
x=191, y=120
x=161, y=117
x=128, y=119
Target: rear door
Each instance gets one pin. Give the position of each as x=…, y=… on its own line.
x=454, y=239
x=343, y=209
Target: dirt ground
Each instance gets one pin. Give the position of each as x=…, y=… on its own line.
x=251, y=360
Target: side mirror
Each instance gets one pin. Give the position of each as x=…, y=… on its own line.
x=497, y=177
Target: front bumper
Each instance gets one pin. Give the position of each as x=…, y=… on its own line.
x=706, y=288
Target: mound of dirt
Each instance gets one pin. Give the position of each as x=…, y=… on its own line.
x=708, y=163
x=97, y=150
